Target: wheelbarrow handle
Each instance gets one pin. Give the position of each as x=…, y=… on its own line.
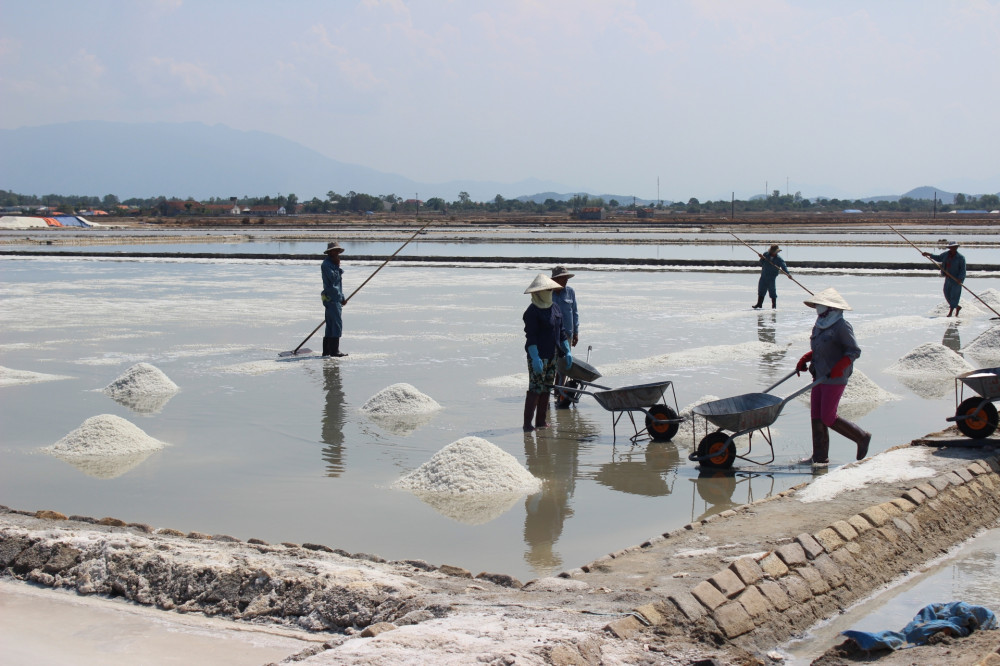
x=780, y=381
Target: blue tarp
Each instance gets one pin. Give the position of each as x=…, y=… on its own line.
x=70, y=221
x=956, y=618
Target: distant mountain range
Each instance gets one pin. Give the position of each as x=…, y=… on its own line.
x=180, y=160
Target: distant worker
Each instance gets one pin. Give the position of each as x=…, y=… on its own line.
x=565, y=299
x=770, y=266
x=545, y=338
x=333, y=299
x=833, y=350
x=953, y=268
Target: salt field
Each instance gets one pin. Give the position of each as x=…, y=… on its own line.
x=283, y=449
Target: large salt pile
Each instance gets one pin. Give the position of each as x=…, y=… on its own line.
x=104, y=446
x=400, y=398
x=471, y=465
x=471, y=480
x=986, y=347
x=143, y=388
x=929, y=370
x=931, y=358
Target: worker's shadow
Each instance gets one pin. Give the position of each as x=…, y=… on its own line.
x=333, y=420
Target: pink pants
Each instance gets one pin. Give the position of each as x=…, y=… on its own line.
x=823, y=402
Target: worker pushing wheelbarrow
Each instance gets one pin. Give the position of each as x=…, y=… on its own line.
x=743, y=415
x=976, y=417
x=662, y=421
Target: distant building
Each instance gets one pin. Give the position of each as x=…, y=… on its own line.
x=590, y=213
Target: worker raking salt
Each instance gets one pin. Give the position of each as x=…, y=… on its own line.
x=333, y=299
x=770, y=266
x=545, y=337
x=953, y=267
x=833, y=350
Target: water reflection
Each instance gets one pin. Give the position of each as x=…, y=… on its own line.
x=553, y=457
x=766, y=333
x=651, y=472
x=334, y=415
x=952, y=340
x=717, y=487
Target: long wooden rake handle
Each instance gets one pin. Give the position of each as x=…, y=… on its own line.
x=785, y=273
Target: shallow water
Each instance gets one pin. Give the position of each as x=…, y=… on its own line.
x=968, y=574
x=280, y=451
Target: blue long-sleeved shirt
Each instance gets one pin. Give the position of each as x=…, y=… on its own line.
x=333, y=288
x=829, y=345
x=565, y=299
x=544, y=329
x=954, y=265
x=770, y=265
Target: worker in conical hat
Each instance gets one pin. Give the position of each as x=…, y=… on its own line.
x=833, y=350
x=545, y=339
x=333, y=299
x=953, y=266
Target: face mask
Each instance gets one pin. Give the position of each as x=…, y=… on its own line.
x=821, y=310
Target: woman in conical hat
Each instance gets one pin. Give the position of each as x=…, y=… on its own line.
x=545, y=338
x=833, y=350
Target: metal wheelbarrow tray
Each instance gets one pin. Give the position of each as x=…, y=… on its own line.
x=742, y=414
x=976, y=417
x=662, y=421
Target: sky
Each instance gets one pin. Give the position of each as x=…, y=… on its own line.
x=667, y=99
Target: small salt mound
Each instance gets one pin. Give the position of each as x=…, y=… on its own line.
x=986, y=346
x=400, y=399
x=471, y=465
x=104, y=435
x=141, y=379
x=11, y=377
x=860, y=397
x=931, y=358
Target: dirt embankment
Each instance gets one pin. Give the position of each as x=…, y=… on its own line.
x=732, y=587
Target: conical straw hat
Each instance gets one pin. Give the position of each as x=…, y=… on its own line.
x=828, y=297
x=542, y=282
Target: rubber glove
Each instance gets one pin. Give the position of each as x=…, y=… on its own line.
x=536, y=360
x=838, y=369
x=569, y=354
x=803, y=363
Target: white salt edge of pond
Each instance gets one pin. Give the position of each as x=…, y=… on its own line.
x=141, y=379
x=888, y=467
x=103, y=435
x=401, y=398
x=11, y=377
x=931, y=358
x=471, y=465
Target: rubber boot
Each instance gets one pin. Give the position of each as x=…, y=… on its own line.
x=530, y=405
x=327, y=346
x=540, y=411
x=335, y=348
x=821, y=444
x=760, y=302
x=854, y=433
x=774, y=303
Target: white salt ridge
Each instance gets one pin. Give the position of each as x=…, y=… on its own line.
x=399, y=399
x=986, y=346
x=141, y=379
x=11, y=377
x=889, y=467
x=471, y=465
x=931, y=358
x=699, y=356
x=104, y=435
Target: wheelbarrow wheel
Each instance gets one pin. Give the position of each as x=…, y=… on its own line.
x=714, y=452
x=982, y=424
x=661, y=432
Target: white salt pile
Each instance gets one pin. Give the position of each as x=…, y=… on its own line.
x=986, y=346
x=471, y=465
x=141, y=379
x=399, y=399
x=11, y=377
x=104, y=435
x=931, y=358
x=860, y=397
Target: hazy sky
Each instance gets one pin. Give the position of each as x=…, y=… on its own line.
x=844, y=98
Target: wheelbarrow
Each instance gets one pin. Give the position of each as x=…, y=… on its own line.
x=661, y=422
x=580, y=371
x=742, y=414
x=976, y=417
